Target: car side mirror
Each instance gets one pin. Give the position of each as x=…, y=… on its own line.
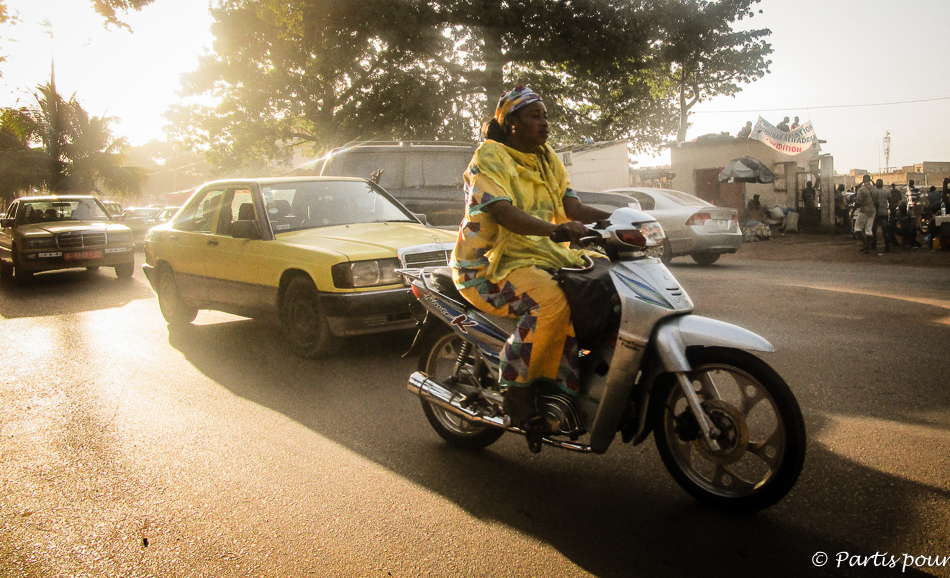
x=6, y=223
x=246, y=230
x=421, y=217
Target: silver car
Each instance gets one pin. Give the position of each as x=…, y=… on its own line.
x=693, y=226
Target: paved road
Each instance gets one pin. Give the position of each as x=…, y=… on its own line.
x=129, y=451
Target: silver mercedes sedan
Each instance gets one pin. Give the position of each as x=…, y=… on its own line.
x=693, y=226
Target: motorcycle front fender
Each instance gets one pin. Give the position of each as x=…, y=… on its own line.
x=675, y=334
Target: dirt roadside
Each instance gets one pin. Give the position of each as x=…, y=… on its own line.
x=838, y=248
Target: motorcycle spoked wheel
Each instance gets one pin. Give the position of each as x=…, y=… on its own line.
x=438, y=362
x=763, y=441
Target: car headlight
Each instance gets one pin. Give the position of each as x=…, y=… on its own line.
x=39, y=243
x=365, y=273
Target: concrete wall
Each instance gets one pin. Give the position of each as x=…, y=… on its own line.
x=600, y=169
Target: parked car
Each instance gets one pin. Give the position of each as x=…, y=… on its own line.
x=693, y=226
x=140, y=220
x=113, y=207
x=318, y=254
x=165, y=215
x=47, y=233
x=607, y=201
x=426, y=177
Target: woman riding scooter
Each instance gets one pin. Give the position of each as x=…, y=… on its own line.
x=520, y=211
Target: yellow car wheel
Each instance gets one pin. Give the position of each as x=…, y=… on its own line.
x=305, y=325
x=175, y=311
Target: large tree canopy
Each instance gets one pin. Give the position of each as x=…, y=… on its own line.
x=700, y=54
x=56, y=146
x=321, y=73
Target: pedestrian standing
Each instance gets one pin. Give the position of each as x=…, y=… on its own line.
x=809, y=195
x=864, y=205
x=783, y=126
x=841, y=207
x=910, y=194
x=894, y=198
x=880, y=217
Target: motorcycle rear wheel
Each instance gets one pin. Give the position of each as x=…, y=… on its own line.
x=763, y=443
x=438, y=362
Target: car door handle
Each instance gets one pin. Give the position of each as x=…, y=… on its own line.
x=213, y=242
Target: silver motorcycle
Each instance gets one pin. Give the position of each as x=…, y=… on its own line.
x=727, y=426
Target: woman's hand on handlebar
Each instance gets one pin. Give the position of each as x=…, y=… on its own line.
x=572, y=231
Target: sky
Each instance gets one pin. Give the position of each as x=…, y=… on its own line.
x=856, y=69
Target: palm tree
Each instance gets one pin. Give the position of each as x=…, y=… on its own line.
x=57, y=146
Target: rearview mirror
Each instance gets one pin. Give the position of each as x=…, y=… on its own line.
x=245, y=230
x=6, y=223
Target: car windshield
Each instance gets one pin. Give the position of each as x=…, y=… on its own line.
x=313, y=204
x=61, y=210
x=685, y=199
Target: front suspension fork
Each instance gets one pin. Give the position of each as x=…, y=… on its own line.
x=710, y=431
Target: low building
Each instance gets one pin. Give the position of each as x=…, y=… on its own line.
x=597, y=166
x=697, y=165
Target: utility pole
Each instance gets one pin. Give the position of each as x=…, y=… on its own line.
x=887, y=151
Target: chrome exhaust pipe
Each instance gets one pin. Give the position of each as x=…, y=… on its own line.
x=421, y=385
x=432, y=392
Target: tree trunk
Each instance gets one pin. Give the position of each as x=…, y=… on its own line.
x=494, y=68
x=684, y=116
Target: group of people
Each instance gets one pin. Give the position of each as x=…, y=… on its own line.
x=895, y=213
x=746, y=131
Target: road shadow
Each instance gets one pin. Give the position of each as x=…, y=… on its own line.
x=619, y=514
x=69, y=291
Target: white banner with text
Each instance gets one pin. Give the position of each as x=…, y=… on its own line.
x=792, y=142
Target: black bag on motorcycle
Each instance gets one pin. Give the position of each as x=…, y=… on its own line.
x=593, y=298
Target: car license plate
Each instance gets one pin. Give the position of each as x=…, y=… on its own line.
x=722, y=225
x=80, y=255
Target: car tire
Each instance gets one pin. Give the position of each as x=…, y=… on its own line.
x=20, y=277
x=175, y=311
x=705, y=259
x=667, y=256
x=125, y=272
x=302, y=318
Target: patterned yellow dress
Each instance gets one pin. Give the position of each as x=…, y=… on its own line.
x=503, y=273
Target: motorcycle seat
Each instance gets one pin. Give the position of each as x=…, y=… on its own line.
x=442, y=279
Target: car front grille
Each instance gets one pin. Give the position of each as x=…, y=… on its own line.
x=80, y=239
x=438, y=258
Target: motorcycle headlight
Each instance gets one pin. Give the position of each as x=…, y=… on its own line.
x=39, y=243
x=365, y=273
x=644, y=235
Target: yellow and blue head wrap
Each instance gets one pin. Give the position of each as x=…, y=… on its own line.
x=513, y=100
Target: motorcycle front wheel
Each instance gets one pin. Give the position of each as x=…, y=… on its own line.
x=762, y=440
x=438, y=362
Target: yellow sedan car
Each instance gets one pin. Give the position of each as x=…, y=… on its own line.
x=51, y=232
x=317, y=253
